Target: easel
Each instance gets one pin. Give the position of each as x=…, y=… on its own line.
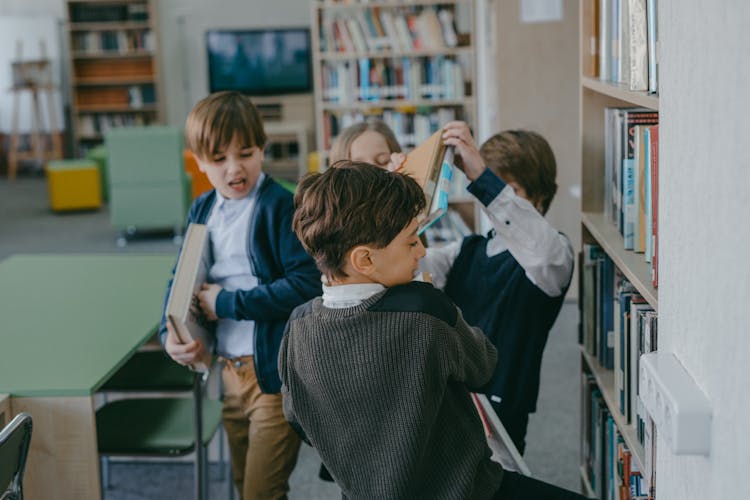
x=36, y=77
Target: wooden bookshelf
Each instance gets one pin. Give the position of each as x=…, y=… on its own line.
x=349, y=37
x=334, y=4
x=630, y=263
x=597, y=226
x=386, y=54
x=606, y=383
x=114, y=67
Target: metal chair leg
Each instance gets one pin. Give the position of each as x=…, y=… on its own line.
x=200, y=451
x=104, y=463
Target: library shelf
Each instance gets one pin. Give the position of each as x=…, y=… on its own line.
x=621, y=93
x=632, y=264
x=605, y=380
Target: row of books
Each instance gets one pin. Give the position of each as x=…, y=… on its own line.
x=119, y=41
x=631, y=179
x=617, y=326
x=624, y=43
x=101, y=13
x=95, y=125
x=387, y=29
x=373, y=80
x=611, y=469
x=411, y=125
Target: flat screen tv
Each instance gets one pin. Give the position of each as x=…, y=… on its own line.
x=259, y=62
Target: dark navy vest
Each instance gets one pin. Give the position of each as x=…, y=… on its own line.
x=495, y=295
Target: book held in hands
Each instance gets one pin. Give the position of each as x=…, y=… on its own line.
x=183, y=310
x=431, y=165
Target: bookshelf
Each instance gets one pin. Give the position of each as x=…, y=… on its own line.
x=114, y=68
x=618, y=299
x=413, y=64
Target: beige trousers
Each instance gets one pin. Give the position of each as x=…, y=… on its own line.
x=262, y=445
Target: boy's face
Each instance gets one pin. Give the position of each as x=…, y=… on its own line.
x=234, y=170
x=371, y=147
x=398, y=262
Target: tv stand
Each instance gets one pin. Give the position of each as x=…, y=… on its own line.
x=270, y=112
x=288, y=121
x=286, y=149
x=286, y=108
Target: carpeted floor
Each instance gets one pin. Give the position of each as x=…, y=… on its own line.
x=28, y=226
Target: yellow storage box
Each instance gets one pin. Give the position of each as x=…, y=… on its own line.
x=73, y=185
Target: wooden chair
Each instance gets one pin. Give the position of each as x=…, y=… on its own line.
x=14, y=448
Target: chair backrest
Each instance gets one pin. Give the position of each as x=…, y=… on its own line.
x=139, y=155
x=148, y=185
x=14, y=448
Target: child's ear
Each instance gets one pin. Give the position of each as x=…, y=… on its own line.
x=199, y=162
x=360, y=258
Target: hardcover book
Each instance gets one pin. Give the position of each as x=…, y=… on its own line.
x=183, y=311
x=431, y=165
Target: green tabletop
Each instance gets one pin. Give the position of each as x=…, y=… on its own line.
x=67, y=322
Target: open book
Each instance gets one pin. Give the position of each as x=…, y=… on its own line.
x=504, y=451
x=183, y=311
x=431, y=165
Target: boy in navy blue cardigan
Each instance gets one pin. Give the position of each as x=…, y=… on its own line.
x=258, y=275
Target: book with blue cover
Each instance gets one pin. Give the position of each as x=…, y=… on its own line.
x=431, y=165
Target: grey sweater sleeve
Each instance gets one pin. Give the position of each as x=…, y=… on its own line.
x=286, y=399
x=470, y=355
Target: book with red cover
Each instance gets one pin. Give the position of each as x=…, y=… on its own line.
x=655, y=203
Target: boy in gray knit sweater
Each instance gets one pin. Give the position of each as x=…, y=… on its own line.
x=376, y=373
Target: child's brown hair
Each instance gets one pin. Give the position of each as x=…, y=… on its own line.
x=526, y=158
x=342, y=146
x=215, y=121
x=352, y=204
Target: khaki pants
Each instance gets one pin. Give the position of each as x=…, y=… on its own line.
x=262, y=444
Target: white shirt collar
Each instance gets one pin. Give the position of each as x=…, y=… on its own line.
x=341, y=296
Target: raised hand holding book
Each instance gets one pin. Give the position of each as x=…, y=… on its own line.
x=431, y=165
x=183, y=311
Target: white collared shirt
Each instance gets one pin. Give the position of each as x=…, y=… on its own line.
x=342, y=296
x=228, y=226
x=544, y=253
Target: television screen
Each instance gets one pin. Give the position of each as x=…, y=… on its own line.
x=259, y=62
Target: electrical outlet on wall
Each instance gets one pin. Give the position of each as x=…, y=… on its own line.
x=680, y=410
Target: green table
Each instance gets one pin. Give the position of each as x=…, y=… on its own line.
x=68, y=323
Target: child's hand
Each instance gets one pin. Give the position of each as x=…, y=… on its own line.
x=207, y=297
x=184, y=354
x=467, y=156
x=396, y=162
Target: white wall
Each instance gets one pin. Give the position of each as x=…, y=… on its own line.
x=55, y=8
x=31, y=31
x=182, y=27
x=32, y=21
x=704, y=187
